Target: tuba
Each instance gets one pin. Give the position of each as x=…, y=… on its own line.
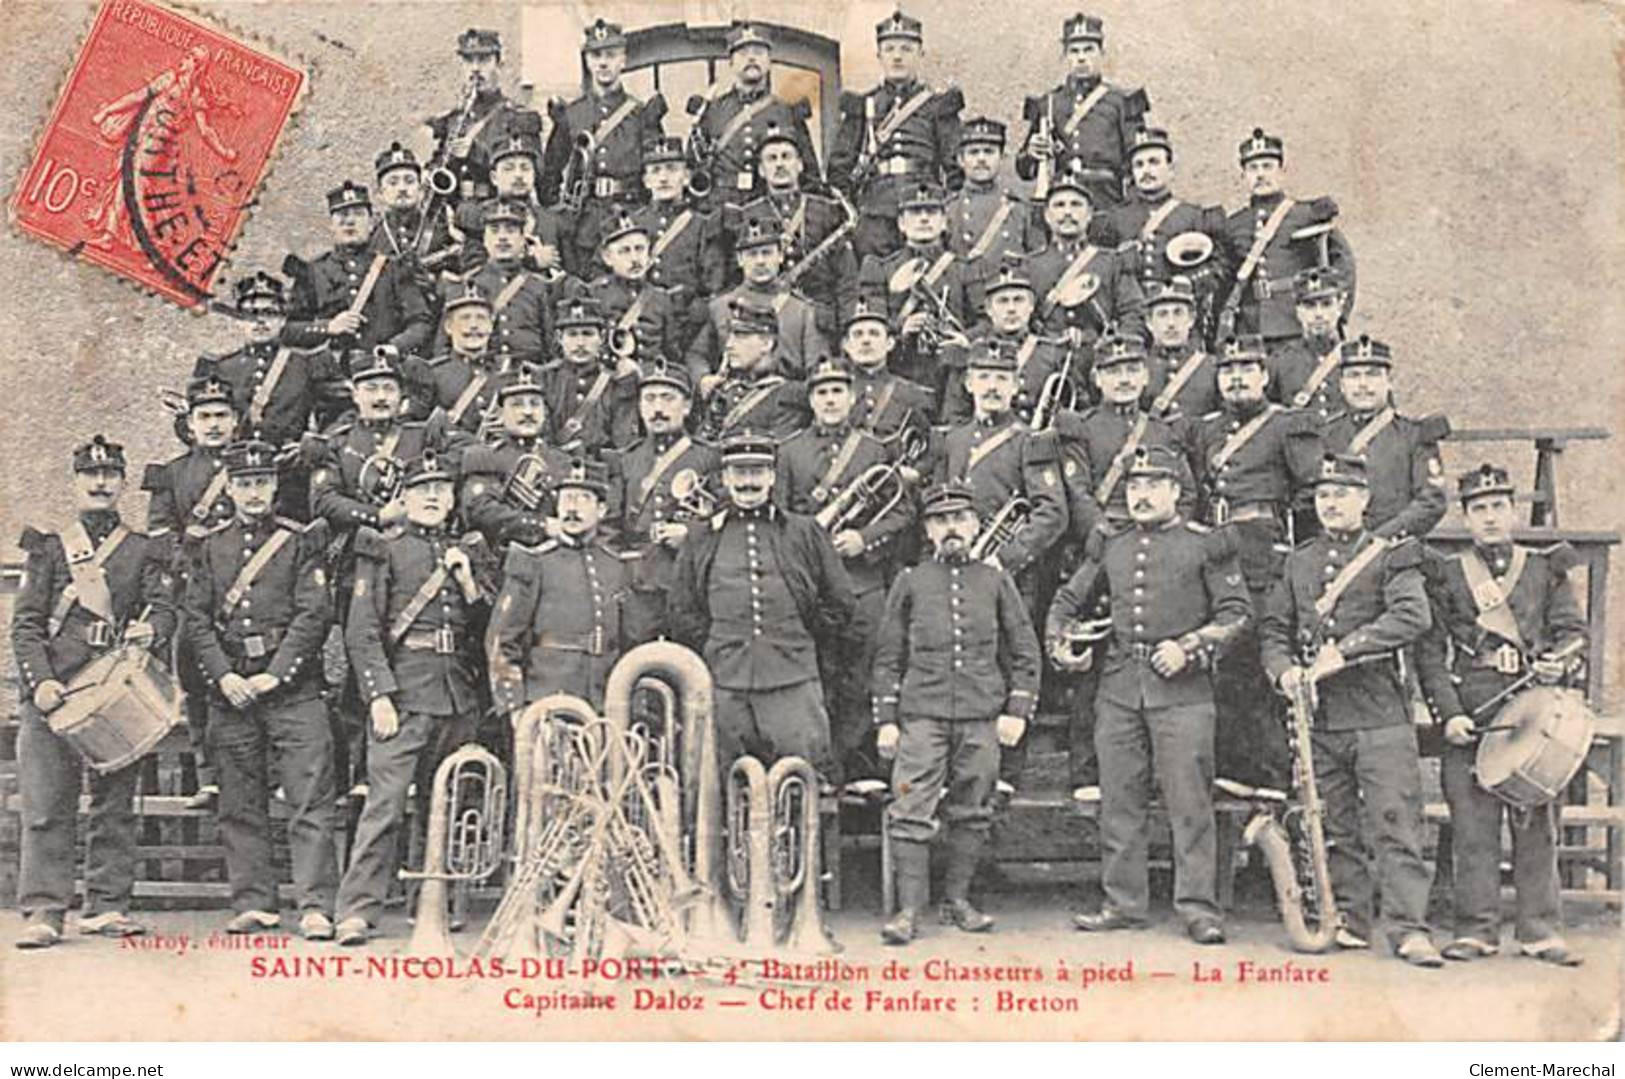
x=796, y=850
x=467, y=814
x=1010, y=519
x=750, y=839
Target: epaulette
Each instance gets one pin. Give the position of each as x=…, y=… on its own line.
x=1432, y=427
x=952, y=98
x=33, y=540
x=295, y=267
x=1324, y=208
x=155, y=478
x=1136, y=101
x=655, y=107
x=370, y=543
x=801, y=109
x=1561, y=555
x=1404, y=552
x=851, y=103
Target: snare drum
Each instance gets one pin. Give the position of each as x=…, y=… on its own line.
x=1540, y=740
x=118, y=708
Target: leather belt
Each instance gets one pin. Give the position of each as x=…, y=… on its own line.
x=594, y=646
x=1506, y=659
x=1140, y=650
x=98, y=634
x=897, y=166
x=607, y=187
x=442, y=641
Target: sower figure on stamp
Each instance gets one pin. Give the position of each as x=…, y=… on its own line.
x=758, y=592
x=465, y=137
x=86, y=590
x=419, y=597
x=1183, y=378
x=759, y=251
x=1348, y=602
x=1500, y=610
x=592, y=391
x=258, y=607
x=508, y=483
x=1177, y=601
x=1303, y=369
x=955, y=677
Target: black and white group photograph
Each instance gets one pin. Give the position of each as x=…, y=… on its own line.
x=713, y=520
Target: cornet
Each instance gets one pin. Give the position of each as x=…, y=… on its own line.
x=943, y=326
x=467, y=815
x=999, y=531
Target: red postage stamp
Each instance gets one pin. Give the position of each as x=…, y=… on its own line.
x=156, y=148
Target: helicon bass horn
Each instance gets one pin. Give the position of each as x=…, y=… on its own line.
x=750, y=854
x=467, y=816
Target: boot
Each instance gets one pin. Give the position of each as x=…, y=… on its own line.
x=964, y=852
x=912, y=867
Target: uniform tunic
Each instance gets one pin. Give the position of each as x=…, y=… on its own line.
x=1098, y=140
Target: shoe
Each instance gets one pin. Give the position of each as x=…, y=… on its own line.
x=1089, y=792
x=1417, y=949
x=110, y=923
x=1349, y=939
x=867, y=788
x=1268, y=794
x=205, y=798
x=1468, y=948
x=42, y=933
x=1004, y=790
x=253, y=921
x=353, y=931
x=1552, y=950
x=359, y=791
x=1106, y=920
x=1205, y=930
x=901, y=929
x=960, y=912
x=314, y=925
x=1235, y=788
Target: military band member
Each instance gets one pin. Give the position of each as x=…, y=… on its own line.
x=955, y=677
x=1177, y=601
x=815, y=468
x=658, y=491
x=1303, y=369
x=1347, y=602
x=545, y=232
x=592, y=392
x=759, y=251
x=508, y=483
x=519, y=299
x=557, y=625
x=1401, y=454
x=605, y=130
x=460, y=384
x=884, y=403
x=401, y=229
x=465, y=136
x=353, y=297
x=1010, y=303
x=1182, y=375
x=984, y=219
x=419, y=596
x=687, y=245
x=630, y=299
x=88, y=589
x=1499, y=609
x=815, y=230
x=1082, y=288
x=732, y=119
x=1084, y=123
x=749, y=391
x=895, y=137
x=1271, y=240
x=757, y=592
x=258, y=607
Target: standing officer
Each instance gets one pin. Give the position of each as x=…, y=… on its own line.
x=1303, y=369
x=893, y=138
x=484, y=118
x=759, y=251
x=1082, y=288
x=519, y=299
x=86, y=590
x=592, y=393
x=1177, y=601
x=986, y=221
x=1499, y=608
x=509, y=482
x=1401, y=454
x=686, y=256
x=1270, y=241
x=1182, y=376
x=883, y=403
x=955, y=677
x=557, y=624
x=1084, y=123
x=758, y=592
x=418, y=598
x=257, y=610
x=1347, y=603
x=594, y=157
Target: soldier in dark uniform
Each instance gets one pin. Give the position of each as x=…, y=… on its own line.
x=648, y=514
x=1177, y=601
x=86, y=590
x=815, y=467
x=883, y=403
x=687, y=248
x=955, y=677
x=630, y=299
x=258, y=607
x=465, y=136
x=1303, y=369
x=401, y=230
x=1271, y=240
x=759, y=251
x=1010, y=303
x=1082, y=287
x=508, y=484
x=985, y=220
x=1401, y=454
x=1499, y=609
x=549, y=249
x=758, y=592
x=1254, y=460
x=1183, y=377
x=895, y=137
x=592, y=393
x=322, y=310
x=609, y=128
x=520, y=299
x=1084, y=122
x=460, y=384
x=815, y=230
x=732, y=119
x=557, y=625
x=418, y=598
x=749, y=391
x=1347, y=603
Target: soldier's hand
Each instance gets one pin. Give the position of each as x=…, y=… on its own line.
x=669, y=533
x=236, y=689
x=263, y=683
x=458, y=148
x=140, y=634
x=1458, y=731
x=1065, y=659
x=709, y=383
x=915, y=323
x=1168, y=659
x=886, y=740
x=394, y=512
x=1329, y=660
x=1041, y=145
x=1009, y=729
x=1547, y=671
x=848, y=544
x=345, y=322
x=386, y=722
x=456, y=562
x=48, y=695
x=546, y=256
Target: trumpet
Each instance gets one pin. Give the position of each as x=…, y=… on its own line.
x=467, y=814
x=999, y=531
x=575, y=183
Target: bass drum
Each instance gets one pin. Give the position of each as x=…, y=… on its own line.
x=118, y=708
x=1537, y=743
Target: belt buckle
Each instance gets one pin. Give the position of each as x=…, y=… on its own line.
x=254, y=647
x=98, y=634
x=1221, y=510
x=1507, y=659
x=444, y=643
x=744, y=181
x=605, y=186
x=1140, y=650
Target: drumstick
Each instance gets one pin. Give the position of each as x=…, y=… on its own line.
x=1562, y=653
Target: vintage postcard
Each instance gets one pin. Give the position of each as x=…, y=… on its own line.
x=829, y=521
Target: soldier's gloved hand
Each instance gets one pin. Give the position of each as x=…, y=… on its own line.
x=263, y=683
x=1547, y=671
x=456, y=562
x=1458, y=731
x=627, y=367
x=48, y=695
x=915, y=323
x=345, y=322
x=236, y=689
x=140, y=634
x=1009, y=729
x=848, y=544
x=393, y=513
x=1041, y=145
x=1168, y=659
x=886, y=740
x=386, y=722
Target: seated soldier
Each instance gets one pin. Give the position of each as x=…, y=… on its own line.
x=759, y=252
x=508, y=483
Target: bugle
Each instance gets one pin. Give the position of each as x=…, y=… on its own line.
x=1058, y=392
x=467, y=815
x=1002, y=528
